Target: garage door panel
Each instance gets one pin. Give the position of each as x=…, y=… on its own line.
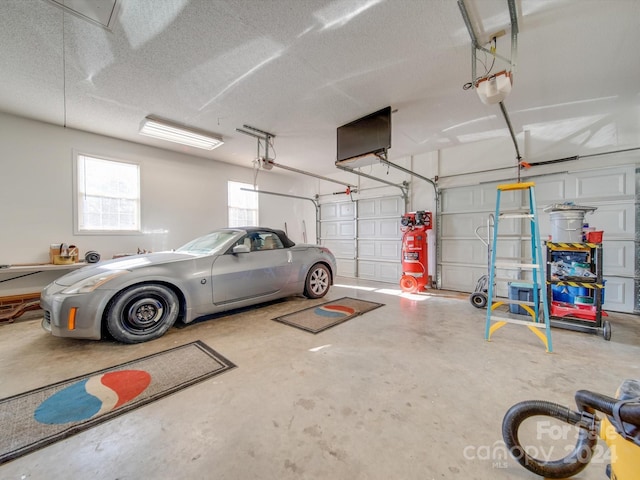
x=613, y=183
x=337, y=211
x=618, y=258
x=550, y=190
x=459, y=225
x=510, y=226
x=329, y=230
x=614, y=220
x=337, y=230
x=380, y=207
x=464, y=225
x=390, y=228
x=383, y=272
x=341, y=248
x=390, y=250
x=383, y=250
x=461, y=278
x=508, y=248
x=347, y=229
x=347, y=210
x=464, y=251
x=329, y=211
x=508, y=198
x=366, y=208
x=618, y=294
x=366, y=249
x=346, y=268
x=389, y=272
x=457, y=200
x=366, y=228
x=391, y=206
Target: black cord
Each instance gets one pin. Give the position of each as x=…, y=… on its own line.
x=487, y=71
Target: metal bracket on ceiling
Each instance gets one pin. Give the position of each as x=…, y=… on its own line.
x=403, y=187
x=477, y=45
x=268, y=163
x=475, y=81
x=260, y=135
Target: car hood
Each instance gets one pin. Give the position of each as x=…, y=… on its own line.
x=131, y=263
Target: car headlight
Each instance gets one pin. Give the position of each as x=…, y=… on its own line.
x=90, y=284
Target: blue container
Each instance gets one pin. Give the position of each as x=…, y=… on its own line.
x=520, y=291
x=604, y=282
x=561, y=293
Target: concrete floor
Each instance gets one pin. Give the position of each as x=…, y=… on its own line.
x=407, y=391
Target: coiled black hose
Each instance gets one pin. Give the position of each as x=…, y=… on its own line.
x=588, y=403
x=565, y=467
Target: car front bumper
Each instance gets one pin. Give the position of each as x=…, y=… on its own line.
x=73, y=315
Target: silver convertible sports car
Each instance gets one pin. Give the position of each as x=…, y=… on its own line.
x=138, y=298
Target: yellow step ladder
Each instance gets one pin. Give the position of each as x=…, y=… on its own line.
x=539, y=322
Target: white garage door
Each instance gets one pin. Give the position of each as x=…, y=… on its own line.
x=463, y=258
x=365, y=237
x=379, y=238
x=337, y=233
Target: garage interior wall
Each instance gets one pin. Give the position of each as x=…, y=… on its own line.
x=182, y=196
x=185, y=196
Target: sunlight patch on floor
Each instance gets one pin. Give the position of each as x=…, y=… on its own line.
x=387, y=291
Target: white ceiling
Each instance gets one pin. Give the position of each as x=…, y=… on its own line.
x=300, y=68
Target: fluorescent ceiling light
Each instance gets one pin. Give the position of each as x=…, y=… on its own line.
x=165, y=130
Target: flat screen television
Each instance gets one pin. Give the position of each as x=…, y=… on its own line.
x=367, y=135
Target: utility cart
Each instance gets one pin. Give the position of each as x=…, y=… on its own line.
x=575, y=287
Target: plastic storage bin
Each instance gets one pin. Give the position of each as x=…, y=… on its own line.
x=520, y=291
x=567, y=294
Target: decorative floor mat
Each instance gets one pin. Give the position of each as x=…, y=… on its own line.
x=327, y=315
x=34, y=419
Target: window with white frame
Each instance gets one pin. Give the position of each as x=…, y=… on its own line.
x=243, y=206
x=107, y=195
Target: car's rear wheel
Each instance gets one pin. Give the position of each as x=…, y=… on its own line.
x=318, y=281
x=141, y=313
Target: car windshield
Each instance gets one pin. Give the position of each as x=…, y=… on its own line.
x=208, y=244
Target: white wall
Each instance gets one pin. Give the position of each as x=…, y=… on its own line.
x=182, y=196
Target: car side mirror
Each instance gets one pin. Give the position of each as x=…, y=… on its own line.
x=241, y=249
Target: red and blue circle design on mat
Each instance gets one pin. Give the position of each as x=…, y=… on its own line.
x=93, y=396
x=334, y=311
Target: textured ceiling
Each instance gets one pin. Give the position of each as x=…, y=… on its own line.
x=300, y=68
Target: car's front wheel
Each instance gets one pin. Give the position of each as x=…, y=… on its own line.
x=318, y=281
x=142, y=312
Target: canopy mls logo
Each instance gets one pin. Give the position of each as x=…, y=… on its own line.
x=552, y=442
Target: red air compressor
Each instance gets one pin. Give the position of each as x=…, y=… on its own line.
x=415, y=262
